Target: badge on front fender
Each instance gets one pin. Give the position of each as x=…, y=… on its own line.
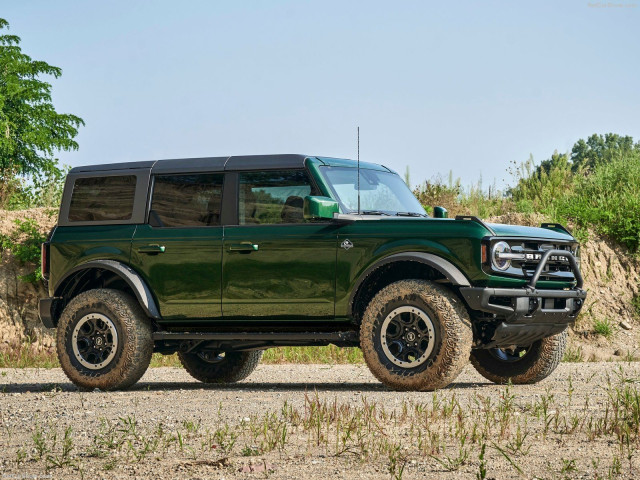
x=347, y=244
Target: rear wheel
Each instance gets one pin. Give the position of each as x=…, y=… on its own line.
x=104, y=340
x=220, y=367
x=521, y=365
x=416, y=335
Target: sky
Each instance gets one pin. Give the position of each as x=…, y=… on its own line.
x=437, y=86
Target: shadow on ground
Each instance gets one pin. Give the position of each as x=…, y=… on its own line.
x=262, y=387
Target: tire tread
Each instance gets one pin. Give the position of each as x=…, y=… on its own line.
x=545, y=358
x=455, y=348
x=236, y=367
x=137, y=335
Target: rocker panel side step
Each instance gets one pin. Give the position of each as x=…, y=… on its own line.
x=348, y=336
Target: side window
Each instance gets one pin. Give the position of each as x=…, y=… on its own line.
x=186, y=200
x=99, y=199
x=273, y=197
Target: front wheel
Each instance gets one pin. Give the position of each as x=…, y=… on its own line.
x=220, y=367
x=416, y=335
x=521, y=365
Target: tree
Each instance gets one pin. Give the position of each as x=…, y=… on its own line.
x=597, y=149
x=31, y=130
x=557, y=160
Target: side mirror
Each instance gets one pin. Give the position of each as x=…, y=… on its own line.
x=440, y=212
x=320, y=207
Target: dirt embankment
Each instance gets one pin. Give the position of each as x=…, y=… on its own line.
x=612, y=278
x=19, y=300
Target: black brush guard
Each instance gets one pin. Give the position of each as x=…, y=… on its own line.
x=529, y=314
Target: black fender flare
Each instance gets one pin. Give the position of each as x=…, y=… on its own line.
x=133, y=279
x=445, y=267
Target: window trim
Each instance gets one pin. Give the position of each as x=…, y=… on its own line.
x=314, y=186
x=138, y=212
x=152, y=185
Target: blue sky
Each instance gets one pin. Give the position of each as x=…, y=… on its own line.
x=438, y=86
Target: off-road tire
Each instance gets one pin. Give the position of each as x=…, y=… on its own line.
x=234, y=367
x=134, y=347
x=540, y=360
x=452, y=328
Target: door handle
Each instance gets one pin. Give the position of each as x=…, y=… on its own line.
x=151, y=249
x=247, y=247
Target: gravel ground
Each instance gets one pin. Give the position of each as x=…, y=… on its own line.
x=194, y=426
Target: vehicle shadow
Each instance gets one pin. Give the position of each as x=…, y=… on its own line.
x=267, y=387
x=259, y=387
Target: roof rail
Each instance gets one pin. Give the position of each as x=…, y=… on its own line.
x=471, y=218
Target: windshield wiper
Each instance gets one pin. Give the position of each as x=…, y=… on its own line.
x=410, y=214
x=374, y=212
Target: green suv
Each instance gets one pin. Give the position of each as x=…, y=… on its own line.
x=218, y=259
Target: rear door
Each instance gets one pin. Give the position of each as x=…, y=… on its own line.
x=276, y=264
x=179, y=250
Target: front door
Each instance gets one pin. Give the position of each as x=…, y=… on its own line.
x=179, y=251
x=276, y=264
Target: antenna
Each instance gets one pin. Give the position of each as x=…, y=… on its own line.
x=358, y=170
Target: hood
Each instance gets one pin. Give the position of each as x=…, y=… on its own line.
x=530, y=232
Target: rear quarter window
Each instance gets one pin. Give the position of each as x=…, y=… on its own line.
x=99, y=199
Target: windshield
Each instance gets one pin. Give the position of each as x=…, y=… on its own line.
x=380, y=192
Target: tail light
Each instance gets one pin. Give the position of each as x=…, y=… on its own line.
x=44, y=259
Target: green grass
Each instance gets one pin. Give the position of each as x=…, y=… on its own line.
x=607, y=200
x=300, y=355
x=635, y=304
x=330, y=355
x=159, y=360
x=573, y=355
x=25, y=356
x=603, y=327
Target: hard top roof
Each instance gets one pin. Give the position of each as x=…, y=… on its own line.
x=219, y=164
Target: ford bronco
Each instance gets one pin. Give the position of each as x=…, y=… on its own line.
x=218, y=259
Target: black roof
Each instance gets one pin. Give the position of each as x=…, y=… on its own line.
x=208, y=164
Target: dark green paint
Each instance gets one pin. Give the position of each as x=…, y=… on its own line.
x=529, y=232
x=284, y=272
x=320, y=207
x=440, y=212
x=185, y=277
x=291, y=275
x=72, y=246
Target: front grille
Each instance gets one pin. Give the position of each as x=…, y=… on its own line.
x=557, y=268
x=554, y=265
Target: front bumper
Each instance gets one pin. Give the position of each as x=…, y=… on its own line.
x=521, y=316
x=517, y=304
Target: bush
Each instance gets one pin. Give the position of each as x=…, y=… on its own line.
x=594, y=188
x=458, y=200
x=41, y=189
x=608, y=200
x=538, y=188
x=24, y=244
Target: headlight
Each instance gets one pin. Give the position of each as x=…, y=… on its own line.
x=496, y=251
